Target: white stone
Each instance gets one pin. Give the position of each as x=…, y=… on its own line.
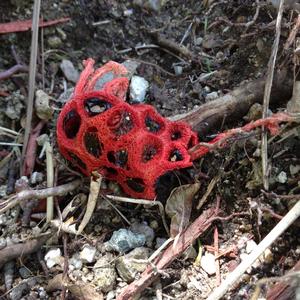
x=250, y=246
x=281, y=177
x=75, y=261
x=138, y=88
x=53, y=257
x=88, y=254
x=211, y=96
x=208, y=263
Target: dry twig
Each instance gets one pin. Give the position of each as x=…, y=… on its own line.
x=17, y=250
x=38, y=194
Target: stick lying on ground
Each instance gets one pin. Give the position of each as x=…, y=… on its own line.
x=38, y=194
x=22, y=249
x=236, y=103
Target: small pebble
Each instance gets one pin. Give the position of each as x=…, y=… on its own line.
x=208, y=263
x=281, y=177
x=144, y=229
x=53, y=257
x=110, y=295
x=2, y=243
x=42, y=105
x=124, y=240
x=104, y=273
x=129, y=265
x=294, y=169
x=36, y=177
x=3, y=219
x=54, y=42
x=211, y=96
x=75, y=261
x=69, y=70
x=88, y=254
x=198, y=41
x=178, y=70
x=250, y=246
x=138, y=88
x=24, y=272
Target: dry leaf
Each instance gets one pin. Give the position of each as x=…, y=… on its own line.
x=179, y=205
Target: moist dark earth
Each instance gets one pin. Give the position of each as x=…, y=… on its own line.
x=230, y=54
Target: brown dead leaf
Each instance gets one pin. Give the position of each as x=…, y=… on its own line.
x=179, y=205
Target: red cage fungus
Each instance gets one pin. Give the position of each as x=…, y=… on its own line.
x=131, y=144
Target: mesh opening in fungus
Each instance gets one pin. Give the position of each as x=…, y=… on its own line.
x=175, y=155
x=96, y=106
x=136, y=184
x=149, y=152
x=92, y=143
x=71, y=124
x=120, y=122
x=152, y=125
x=176, y=135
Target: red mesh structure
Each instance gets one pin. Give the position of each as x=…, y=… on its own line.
x=131, y=144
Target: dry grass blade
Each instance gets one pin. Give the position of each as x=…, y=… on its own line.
x=50, y=180
x=32, y=74
x=91, y=204
x=267, y=94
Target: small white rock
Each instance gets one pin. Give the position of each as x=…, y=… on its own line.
x=211, y=96
x=3, y=219
x=208, y=263
x=138, y=88
x=75, y=261
x=88, y=254
x=250, y=246
x=36, y=177
x=281, y=177
x=178, y=70
x=53, y=257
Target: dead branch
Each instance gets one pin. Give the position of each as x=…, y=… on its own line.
x=173, y=47
x=39, y=194
x=13, y=70
x=200, y=225
x=22, y=249
x=236, y=103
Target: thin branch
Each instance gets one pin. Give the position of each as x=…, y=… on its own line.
x=13, y=70
x=17, y=250
x=38, y=194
